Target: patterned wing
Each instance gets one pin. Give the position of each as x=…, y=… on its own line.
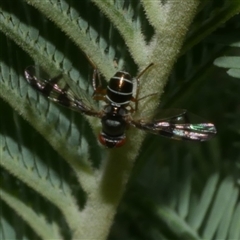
x=177, y=124
x=58, y=90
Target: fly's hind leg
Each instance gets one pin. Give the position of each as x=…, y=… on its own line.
x=136, y=99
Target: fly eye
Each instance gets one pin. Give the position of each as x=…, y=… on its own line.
x=110, y=142
x=120, y=142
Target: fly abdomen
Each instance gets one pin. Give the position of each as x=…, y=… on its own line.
x=120, y=88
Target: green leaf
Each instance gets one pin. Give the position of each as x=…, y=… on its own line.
x=47, y=230
x=229, y=62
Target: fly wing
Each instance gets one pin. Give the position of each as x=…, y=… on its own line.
x=177, y=124
x=59, y=90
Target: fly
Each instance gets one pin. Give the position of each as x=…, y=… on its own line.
x=117, y=113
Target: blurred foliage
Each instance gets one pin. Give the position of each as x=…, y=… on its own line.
x=178, y=190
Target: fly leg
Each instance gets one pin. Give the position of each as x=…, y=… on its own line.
x=136, y=99
x=99, y=92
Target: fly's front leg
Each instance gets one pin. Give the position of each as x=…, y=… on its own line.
x=96, y=80
x=96, y=77
x=99, y=92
